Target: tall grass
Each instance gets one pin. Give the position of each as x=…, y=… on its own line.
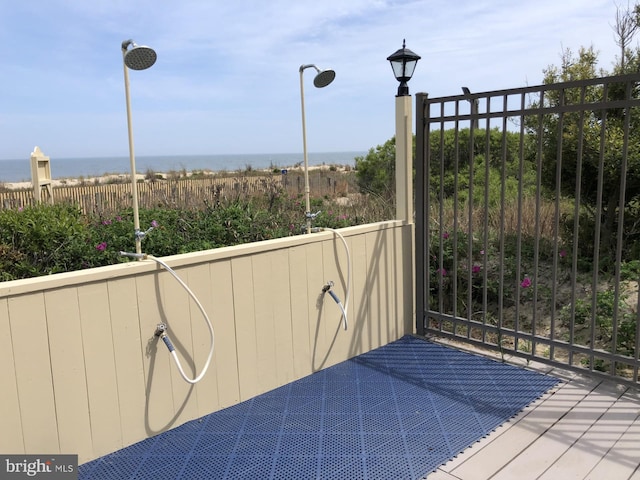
x=530, y=217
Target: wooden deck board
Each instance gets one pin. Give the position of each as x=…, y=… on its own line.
x=621, y=461
x=585, y=428
x=494, y=452
x=583, y=456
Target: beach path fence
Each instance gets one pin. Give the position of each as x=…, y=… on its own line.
x=183, y=192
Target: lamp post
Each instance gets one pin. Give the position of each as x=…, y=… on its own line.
x=403, y=64
x=136, y=58
x=322, y=79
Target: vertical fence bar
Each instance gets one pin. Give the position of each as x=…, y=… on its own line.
x=421, y=210
x=456, y=221
x=576, y=222
x=485, y=235
x=598, y=230
x=517, y=327
x=469, y=230
x=503, y=183
x=556, y=220
x=441, y=220
x=538, y=222
x=620, y=233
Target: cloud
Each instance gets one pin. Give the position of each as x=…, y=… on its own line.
x=227, y=78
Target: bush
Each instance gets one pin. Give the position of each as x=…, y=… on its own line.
x=375, y=172
x=42, y=240
x=47, y=239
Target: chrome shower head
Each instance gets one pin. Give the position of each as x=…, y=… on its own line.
x=139, y=57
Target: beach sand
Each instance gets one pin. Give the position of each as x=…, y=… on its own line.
x=124, y=177
x=72, y=182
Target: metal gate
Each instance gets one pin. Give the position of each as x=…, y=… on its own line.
x=528, y=222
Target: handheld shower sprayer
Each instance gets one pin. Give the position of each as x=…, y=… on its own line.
x=328, y=289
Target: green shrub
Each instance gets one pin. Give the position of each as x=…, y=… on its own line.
x=42, y=240
x=605, y=307
x=47, y=239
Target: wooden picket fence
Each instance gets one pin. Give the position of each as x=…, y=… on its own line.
x=184, y=192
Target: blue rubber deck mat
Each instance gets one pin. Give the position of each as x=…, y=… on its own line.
x=397, y=412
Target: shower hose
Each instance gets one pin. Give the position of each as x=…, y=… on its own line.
x=162, y=333
x=344, y=307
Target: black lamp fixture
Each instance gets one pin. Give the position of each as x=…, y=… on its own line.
x=403, y=63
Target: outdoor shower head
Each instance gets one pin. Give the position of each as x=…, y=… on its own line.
x=324, y=78
x=139, y=57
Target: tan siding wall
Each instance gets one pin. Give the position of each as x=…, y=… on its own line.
x=83, y=372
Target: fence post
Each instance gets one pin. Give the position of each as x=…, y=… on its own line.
x=404, y=160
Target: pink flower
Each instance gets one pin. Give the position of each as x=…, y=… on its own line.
x=101, y=247
x=481, y=252
x=154, y=224
x=526, y=282
x=106, y=222
x=442, y=271
x=562, y=253
x=476, y=269
x=445, y=235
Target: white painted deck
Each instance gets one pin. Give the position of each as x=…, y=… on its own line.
x=585, y=428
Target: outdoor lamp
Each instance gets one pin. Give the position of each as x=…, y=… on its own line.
x=321, y=80
x=136, y=58
x=403, y=63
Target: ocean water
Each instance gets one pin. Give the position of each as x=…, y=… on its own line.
x=20, y=170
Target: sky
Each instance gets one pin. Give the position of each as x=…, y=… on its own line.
x=227, y=80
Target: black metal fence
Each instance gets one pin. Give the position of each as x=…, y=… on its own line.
x=528, y=222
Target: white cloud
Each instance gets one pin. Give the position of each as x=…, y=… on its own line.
x=226, y=79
